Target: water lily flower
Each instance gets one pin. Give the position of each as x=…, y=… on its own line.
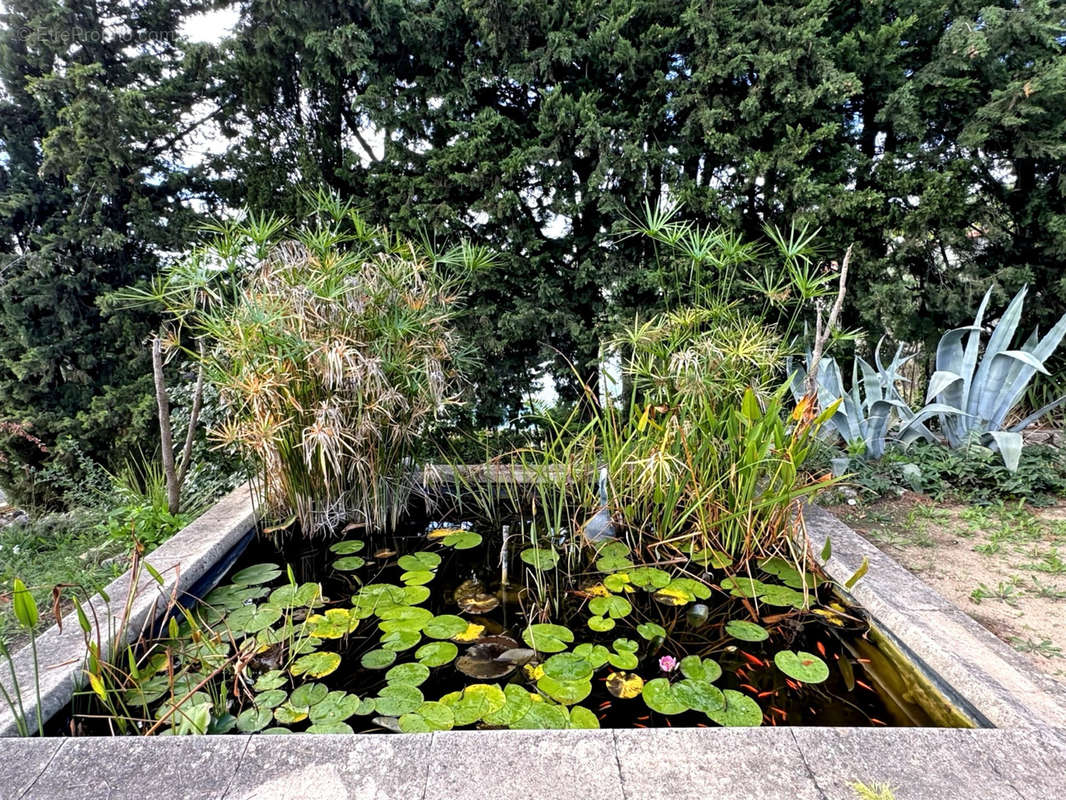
x=667, y=663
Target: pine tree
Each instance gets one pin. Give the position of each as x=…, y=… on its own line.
x=101, y=100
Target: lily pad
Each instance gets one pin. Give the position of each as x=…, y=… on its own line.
x=273, y=679
x=418, y=577
x=462, y=540
x=475, y=702
x=565, y=692
x=618, y=582
x=624, y=656
x=740, y=711
x=288, y=714
x=625, y=685
x=583, y=719
x=649, y=578
x=378, y=659
x=543, y=716
x=481, y=661
x=699, y=695
x=252, y=619
x=254, y=719
x=700, y=669
x=307, y=694
x=256, y=574
x=711, y=558
x=568, y=667
x=397, y=699
x=545, y=637
x=334, y=707
x=612, y=557
x=743, y=587
x=297, y=596
x=517, y=704
x=659, y=696
x=472, y=598
x=430, y=716
x=473, y=631
x=401, y=640
x=782, y=596
x=233, y=596
x=541, y=558
x=595, y=654
x=746, y=631
x=411, y=673
x=601, y=624
x=434, y=654
x=349, y=563
x=272, y=698
x=413, y=595
x=444, y=626
x=334, y=728
x=803, y=667
x=423, y=560
x=348, y=547
x=650, y=630
x=610, y=606
x=334, y=624
x=404, y=618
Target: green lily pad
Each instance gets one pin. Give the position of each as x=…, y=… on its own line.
x=610, y=606
x=347, y=547
x=297, y=596
x=700, y=669
x=335, y=728
x=307, y=694
x=277, y=730
x=568, y=667
x=401, y=640
x=378, y=659
x=601, y=624
x=803, y=667
x=349, y=563
x=659, y=696
x=743, y=587
x=475, y=702
x=740, y=711
x=412, y=674
x=543, y=716
x=272, y=698
x=565, y=692
x=746, y=631
x=595, y=654
x=649, y=578
x=413, y=595
x=545, y=637
x=434, y=654
x=612, y=557
x=711, y=558
x=462, y=540
x=397, y=699
x=695, y=589
x=232, y=597
x=618, y=582
x=418, y=577
x=582, y=718
x=317, y=665
x=376, y=597
x=404, y=618
x=430, y=716
x=649, y=630
x=699, y=695
x=270, y=680
x=444, y=626
x=624, y=656
x=336, y=706
x=422, y=561
x=252, y=619
x=782, y=596
x=256, y=574
x=517, y=704
x=540, y=557
x=254, y=719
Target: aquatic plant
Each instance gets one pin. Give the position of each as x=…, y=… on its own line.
x=331, y=345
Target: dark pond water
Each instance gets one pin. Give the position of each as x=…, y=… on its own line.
x=439, y=625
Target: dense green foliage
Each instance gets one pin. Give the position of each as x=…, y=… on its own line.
x=930, y=133
x=98, y=107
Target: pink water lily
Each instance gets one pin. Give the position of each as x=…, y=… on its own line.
x=667, y=663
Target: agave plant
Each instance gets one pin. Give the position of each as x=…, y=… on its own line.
x=976, y=391
x=873, y=411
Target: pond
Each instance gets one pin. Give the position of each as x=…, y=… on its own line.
x=461, y=620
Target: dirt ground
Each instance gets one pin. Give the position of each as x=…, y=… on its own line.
x=1003, y=565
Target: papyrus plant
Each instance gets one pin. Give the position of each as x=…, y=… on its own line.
x=331, y=345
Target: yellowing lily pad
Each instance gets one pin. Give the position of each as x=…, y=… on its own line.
x=625, y=685
x=316, y=665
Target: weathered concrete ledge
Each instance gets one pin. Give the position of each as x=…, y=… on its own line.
x=181, y=561
x=659, y=764
x=977, y=672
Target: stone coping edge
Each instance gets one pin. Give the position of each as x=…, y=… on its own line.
x=973, y=670
x=181, y=561
x=652, y=764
